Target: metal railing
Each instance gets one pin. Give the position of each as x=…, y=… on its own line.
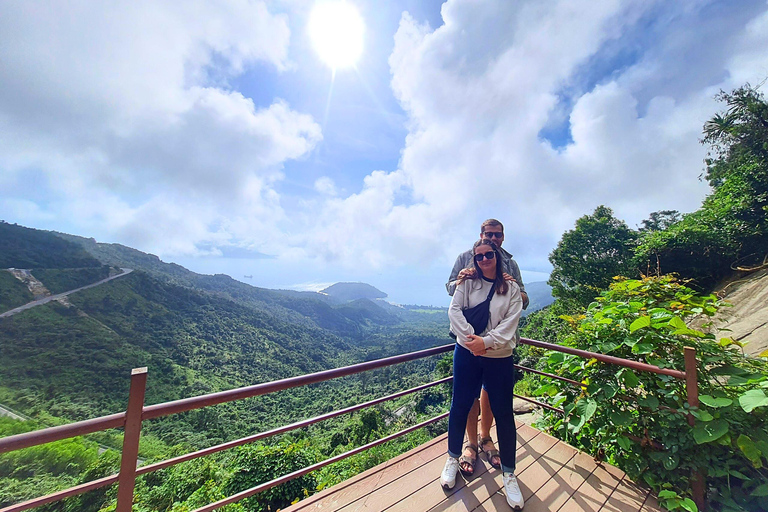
x=131, y=420
x=698, y=487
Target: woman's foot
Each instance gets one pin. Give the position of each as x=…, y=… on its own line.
x=491, y=453
x=448, y=476
x=512, y=491
x=468, y=460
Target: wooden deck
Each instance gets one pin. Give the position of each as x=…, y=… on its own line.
x=553, y=476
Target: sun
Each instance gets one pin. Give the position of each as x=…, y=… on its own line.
x=336, y=29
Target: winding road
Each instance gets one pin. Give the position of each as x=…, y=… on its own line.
x=48, y=299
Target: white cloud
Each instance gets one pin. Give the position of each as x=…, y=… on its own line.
x=479, y=89
x=126, y=107
x=326, y=186
x=128, y=116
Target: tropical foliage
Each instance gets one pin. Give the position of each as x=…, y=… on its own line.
x=639, y=420
x=13, y=293
x=63, y=280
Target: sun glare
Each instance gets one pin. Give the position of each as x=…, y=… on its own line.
x=336, y=29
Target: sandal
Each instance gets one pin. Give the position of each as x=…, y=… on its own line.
x=465, y=461
x=491, y=455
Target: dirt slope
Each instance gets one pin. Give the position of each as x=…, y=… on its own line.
x=748, y=318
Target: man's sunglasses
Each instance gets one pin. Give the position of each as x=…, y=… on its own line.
x=489, y=255
x=491, y=234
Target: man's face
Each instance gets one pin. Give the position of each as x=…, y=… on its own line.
x=497, y=237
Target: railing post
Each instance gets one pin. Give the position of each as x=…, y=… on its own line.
x=698, y=487
x=130, y=455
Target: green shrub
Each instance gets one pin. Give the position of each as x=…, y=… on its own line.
x=620, y=413
x=254, y=465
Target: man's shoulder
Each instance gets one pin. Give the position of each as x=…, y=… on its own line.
x=466, y=255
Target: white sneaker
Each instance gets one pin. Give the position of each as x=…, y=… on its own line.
x=448, y=476
x=512, y=491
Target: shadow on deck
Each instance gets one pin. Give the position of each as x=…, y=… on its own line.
x=553, y=476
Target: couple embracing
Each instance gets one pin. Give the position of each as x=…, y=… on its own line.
x=488, y=298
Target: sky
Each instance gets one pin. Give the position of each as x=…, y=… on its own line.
x=213, y=134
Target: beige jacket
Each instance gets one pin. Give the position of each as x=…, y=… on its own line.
x=499, y=336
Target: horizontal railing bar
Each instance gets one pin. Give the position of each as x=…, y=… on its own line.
x=301, y=472
x=187, y=404
x=550, y=375
x=542, y=404
x=50, y=434
x=66, y=493
x=635, y=365
x=103, y=482
x=280, y=430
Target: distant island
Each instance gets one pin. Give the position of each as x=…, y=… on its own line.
x=353, y=291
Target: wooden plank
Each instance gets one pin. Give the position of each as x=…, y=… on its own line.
x=477, y=495
x=596, y=489
x=627, y=497
x=488, y=481
x=465, y=495
x=524, y=433
x=496, y=503
x=360, y=485
x=401, y=489
x=552, y=475
x=533, y=450
x=549, y=482
x=418, y=486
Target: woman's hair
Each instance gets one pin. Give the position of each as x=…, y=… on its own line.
x=501, y=285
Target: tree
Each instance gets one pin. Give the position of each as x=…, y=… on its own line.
x=732, y=224
x=737, y=167
x=661, y=220
x=254, y=465
x=590, y=255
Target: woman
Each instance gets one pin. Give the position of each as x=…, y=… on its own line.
x=484, y=358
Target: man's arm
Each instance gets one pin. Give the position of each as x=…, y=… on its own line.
x=458, y=266
x=514, y=271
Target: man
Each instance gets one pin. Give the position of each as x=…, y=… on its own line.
x=493, y=230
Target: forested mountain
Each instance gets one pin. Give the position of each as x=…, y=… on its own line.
x=21, y=247
x=71, y=359
x=195, y=333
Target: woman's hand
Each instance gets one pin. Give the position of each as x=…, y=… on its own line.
x=476, y=345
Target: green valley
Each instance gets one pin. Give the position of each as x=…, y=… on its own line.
x=70, y=360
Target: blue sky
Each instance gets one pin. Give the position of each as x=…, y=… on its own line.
x=215, y=137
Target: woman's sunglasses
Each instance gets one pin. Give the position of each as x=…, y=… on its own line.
x=489, y=255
